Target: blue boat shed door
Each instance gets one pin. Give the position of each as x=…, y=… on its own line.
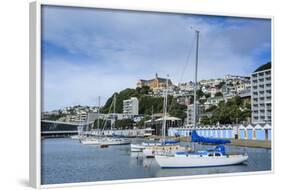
x=241, y=133
x=250, y=134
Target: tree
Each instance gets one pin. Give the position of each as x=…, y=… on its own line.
x=141, y=122
x=211, y=108
x=218, y=94
x=220, y=85
x=207, y=95
x=199, y=93
x=205, y=120
x=124, y=123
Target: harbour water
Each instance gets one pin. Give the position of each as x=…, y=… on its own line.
x=68, y=161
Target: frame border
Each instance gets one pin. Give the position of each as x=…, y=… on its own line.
x=35, y=90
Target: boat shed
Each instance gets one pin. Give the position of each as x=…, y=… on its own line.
x=242, y=132
x=259, y=132
x=249, y=130
x=267, y=129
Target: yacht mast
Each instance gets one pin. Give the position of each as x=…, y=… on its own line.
x=165, y=109
x=195, y=80
x=98, y=113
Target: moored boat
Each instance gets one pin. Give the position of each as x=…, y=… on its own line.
x=206, y=158
x=209, y=158
x=114, y=141
x=151, y=151
x=90, y=141
x=142, y=146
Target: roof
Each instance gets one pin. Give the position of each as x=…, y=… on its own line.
x=169, y=119
x=264, y=67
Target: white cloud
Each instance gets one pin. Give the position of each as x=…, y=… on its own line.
x=116, y=48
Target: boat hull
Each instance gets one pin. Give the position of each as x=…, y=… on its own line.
x=137, y=148
x=90, y=142
x=115, y=142
x=194, y=162
x=150, y=152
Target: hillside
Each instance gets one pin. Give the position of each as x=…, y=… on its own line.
x=146, y=102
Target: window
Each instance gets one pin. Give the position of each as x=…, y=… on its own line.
x=211, y=155
x=217, y=154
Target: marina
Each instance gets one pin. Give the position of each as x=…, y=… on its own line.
x=66, y=160
x=185, y=121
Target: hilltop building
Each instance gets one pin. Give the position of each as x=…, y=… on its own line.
x=261, y=94
x=156, y=83
x=131, y=106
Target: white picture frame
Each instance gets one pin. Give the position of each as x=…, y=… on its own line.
x=35, y=92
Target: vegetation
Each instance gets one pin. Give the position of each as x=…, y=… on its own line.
x=218, y=94
x=147, y=103
x=233, y=111
x=124, y=123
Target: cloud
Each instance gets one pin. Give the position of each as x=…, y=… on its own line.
x=92, y=52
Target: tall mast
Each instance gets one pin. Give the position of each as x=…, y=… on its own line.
x=195, y=80
x=98, y=113
x=114, y=107
x=165, y=108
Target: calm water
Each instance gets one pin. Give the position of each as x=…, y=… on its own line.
x=68, y=161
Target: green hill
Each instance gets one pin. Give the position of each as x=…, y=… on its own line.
x=146, y=102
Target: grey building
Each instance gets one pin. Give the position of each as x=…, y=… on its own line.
x=131, y=106
x=261, y=94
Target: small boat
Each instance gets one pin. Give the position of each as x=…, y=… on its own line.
x=151, y=151
x=114, y=141
x=208, y=158
x=142, y=146
x=90, y=141
x=74, y=137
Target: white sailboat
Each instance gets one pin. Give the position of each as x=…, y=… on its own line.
x=107, y=141
x=142, y=146
x=199, y=159
x=92, y=140
x=207, y=158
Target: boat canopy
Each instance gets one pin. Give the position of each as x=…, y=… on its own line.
x=196, y=138
x=170, y=142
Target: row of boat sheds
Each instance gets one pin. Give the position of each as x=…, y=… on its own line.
x=247, y=132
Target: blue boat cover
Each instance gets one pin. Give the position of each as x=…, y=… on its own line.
x=196, y=138
x=167, y=142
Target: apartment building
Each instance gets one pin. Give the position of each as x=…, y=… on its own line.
x=131, y=106
x=261, y=94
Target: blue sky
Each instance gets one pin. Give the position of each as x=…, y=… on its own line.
x=88, y=53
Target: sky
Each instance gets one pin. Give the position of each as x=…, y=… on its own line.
x=88, y=53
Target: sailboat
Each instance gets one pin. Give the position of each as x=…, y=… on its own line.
x=93, y=140
x=203, y=158
x=114, y=140
x=165, y=146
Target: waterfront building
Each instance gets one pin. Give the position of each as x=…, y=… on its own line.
x=249, y=132
x=259, y=132
x=155, y=83
x=261, y=94
x=131, y=106
x=230, y=131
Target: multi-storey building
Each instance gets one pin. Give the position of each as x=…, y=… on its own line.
x=131, y=106
x=261, y=94
x=156, y=83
